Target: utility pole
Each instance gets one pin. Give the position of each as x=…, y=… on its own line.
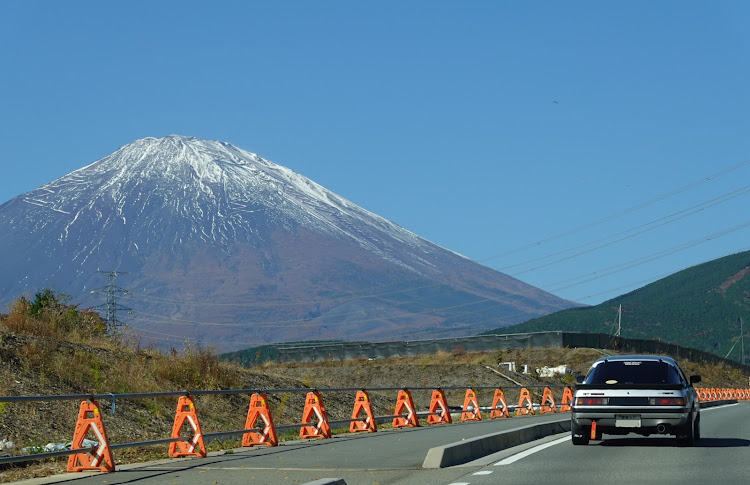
x=619, y=321
x=615, y=343
x=742, y=344
x=112, y=290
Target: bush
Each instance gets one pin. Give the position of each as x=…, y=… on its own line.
x=51, y=315
x=193, y=368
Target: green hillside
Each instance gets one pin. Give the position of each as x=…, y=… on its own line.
x=265, y=353
x=698, y=307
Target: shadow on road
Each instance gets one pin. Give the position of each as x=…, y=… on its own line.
x=673, y=442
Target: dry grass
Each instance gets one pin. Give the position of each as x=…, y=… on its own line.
x=76, y=347
x=51, y=316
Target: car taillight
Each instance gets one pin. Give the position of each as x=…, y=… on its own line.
x=667, y=401
x=591, y=401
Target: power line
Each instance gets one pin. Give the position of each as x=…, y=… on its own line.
x=566, y=283
x=664, y=221
x=641, y=229
x=341, y=299
x=660, y=254
x=306, y=322
x=611, y=270
x=319, y=321
x=617, y=214
x=607, y=241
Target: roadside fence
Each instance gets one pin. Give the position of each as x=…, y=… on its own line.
x=478, y=343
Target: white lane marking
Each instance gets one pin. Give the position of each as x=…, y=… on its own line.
x=483, y=472
x=531, y=451
x=460, y=483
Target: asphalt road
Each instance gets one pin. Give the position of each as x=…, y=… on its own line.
x=721, y=456
x=396, y=456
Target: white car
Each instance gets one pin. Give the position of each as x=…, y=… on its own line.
x=641, y=394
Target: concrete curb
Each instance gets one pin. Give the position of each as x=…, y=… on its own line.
x=474, y=448
x=713, y=404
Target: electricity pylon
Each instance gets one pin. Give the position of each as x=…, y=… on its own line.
x=112, y=290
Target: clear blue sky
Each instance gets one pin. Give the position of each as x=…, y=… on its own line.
x=509, y=132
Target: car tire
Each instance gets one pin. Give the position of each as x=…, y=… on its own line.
x=697, y=428
x=578, y=434
x=687, y=437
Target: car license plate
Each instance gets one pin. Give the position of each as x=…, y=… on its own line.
x=627, y=420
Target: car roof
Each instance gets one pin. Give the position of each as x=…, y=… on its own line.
x=622, y=358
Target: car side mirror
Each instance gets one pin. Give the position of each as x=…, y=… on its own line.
x=579, y=379
x=695, y=379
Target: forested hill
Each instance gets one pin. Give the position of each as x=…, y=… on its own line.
x=699, y=307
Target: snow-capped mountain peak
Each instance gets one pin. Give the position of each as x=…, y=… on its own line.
x=192, y=218
x=216, y=191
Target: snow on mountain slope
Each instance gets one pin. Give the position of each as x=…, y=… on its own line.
x=219, y=191
x=195, y=220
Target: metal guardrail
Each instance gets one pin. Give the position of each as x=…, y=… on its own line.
x=112, y=397
x=43, y=456
x=108, y=396
x=706, y=394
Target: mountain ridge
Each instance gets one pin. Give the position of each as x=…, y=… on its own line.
x=203, y=221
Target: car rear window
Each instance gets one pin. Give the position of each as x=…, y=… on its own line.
x=633, y=372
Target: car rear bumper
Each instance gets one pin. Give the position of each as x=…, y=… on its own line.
x=668, y=422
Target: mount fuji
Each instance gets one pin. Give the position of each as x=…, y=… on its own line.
x=232, y=250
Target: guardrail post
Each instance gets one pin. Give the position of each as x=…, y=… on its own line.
x=471, y=410
x=186, y=412
x=89, y=418
x=259, y=409
x=499, y=399
x=438, y=401
x=314, y=405
x=362, y=403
